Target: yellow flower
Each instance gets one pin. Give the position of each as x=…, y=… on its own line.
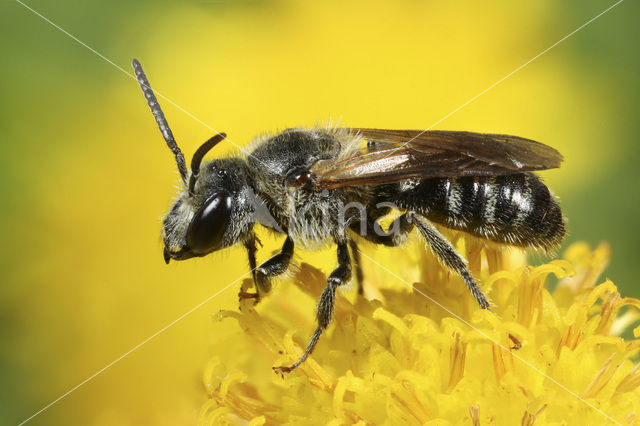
x=423, y=352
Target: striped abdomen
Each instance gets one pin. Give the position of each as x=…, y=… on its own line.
x=515, y=209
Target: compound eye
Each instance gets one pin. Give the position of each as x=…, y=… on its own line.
x=209, y=224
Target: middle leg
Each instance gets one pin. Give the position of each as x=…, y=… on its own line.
x=324, y=311
x=355, y=254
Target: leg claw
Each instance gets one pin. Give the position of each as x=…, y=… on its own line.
x=516, y=343
x=282, y=370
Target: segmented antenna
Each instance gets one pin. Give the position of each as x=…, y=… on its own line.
x=159, y=116
x=199, y=155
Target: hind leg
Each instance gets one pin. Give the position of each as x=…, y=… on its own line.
x=448, y=255
x=396, y=235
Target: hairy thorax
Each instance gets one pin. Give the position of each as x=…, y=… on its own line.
x=315, y=219
x=312, y=219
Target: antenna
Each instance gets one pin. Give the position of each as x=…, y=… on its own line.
x=199, y=155
x=152, y=101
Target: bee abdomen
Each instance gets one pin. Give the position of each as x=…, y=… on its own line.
x=515, y=209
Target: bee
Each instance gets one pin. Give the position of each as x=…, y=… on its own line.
x=304, y=183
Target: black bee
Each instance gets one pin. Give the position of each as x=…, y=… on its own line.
x=320, y=185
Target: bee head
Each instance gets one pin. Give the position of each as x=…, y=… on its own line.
x=214, y=209
x=212, y=212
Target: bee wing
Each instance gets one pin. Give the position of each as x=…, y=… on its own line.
x=398, y=155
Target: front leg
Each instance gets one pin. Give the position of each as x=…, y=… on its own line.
x=275, y=266
x=324, y=311
x=262, y=274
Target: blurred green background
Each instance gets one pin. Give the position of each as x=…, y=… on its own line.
x=86, y=177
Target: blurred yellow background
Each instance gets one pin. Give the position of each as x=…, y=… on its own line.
x=86, y=176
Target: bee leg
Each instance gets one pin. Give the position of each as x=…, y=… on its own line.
x=396, y=235
x=272, y=267
x=448, y=255
x=355, y=254
x=250, y=245
x=276, y=265
x=324, y=311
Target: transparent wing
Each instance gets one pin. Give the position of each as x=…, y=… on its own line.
x=398, y=155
